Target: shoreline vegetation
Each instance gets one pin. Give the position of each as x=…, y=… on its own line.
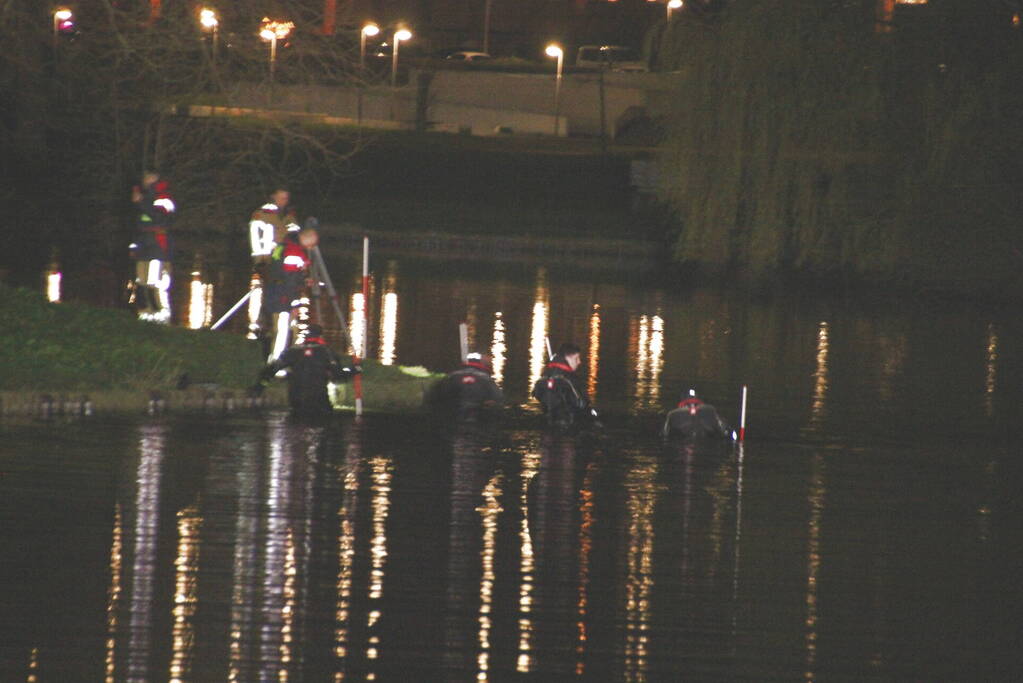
x=70, y=358
x=891, y=156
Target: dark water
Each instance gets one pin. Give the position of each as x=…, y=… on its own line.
x=865, y=531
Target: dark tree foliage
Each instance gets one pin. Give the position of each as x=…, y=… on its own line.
x=83, y=111
x=807, y=137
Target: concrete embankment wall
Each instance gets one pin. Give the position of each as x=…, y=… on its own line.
x=480, y=103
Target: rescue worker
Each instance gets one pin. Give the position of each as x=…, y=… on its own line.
x=694, y=419
x=469, y=390
x=287, y=274
x=152, y=248
x=268, y=226
x=564, y=404
x=310, y=366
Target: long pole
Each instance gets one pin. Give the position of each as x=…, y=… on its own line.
x=486, y=26
x=231, y=311
x=463, y=340
x=394, y=61
x=362, y=50
x=365, y=322
x=742, y=416
x=321, y=267
x=273, y=57
x=557, y=95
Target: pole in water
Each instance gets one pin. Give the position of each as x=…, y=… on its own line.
x=463, y=340
x=234, y=309
x=365, y=322
x=742, y=416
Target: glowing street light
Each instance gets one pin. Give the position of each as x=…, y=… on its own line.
x=209, y=22
x=368, y=30
x=554, y=51
x=61, y=17
x=673, y=5
x=272, y=31
x=399, y=35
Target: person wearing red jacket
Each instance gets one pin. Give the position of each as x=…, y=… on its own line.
x=287, y=275
x=152, y=248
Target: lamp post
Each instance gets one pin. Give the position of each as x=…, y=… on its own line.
x=272, y=31
x=399, y=35
x=486, y=26
x=368, y=30
x=60, y=15
x=673, y=5
x=209, y=22
x=554, y=50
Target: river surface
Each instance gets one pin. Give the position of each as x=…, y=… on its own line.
x=863, y=532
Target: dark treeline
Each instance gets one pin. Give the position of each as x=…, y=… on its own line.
x=830, y=138
x=84, y=111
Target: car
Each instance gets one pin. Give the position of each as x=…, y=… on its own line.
x=612, y=57
x=467, y=56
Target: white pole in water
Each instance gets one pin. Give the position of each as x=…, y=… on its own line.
x=365, y=322
x=463, y=340
x=742, y=416
x=234, y=309
x=550, y=352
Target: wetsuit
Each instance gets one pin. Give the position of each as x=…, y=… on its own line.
x=693, y=418
x=563, y=402
x=467, y=391
x=310, y=366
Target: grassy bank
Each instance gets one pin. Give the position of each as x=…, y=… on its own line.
x=119, y=361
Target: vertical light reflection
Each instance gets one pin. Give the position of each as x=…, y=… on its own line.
x=489, y=512
x=585, y=548
x=818, y=408
x=288, y=611
x=186, y=566
x=346, y=560
x=357, y=321
x=471, y=323
x=389, y=318
x=114, y=595
x=640, y=484
x=275, y=548
x=33, y=666
x=594, y=353
x=816, y=498
x=538, y=329
x=498, y=348
x=649, y=355
x=255, y=304
x=381, y=506
x=991, y=374
x=53, y=286
x=200, y=302
x=527, y=564
x=146, y=532
x=244, y=570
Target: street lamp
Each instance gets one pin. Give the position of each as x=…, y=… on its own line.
x=367, y=31
x=554, y=50
x=673, y=5
x=60, y=15
x=272, y=31
x=209, y=22
x=399, y=35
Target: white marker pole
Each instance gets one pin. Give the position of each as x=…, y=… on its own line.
x=365, y=322
x=463, y=339
x=742, y=416
x=550, y=352
x=232, y=311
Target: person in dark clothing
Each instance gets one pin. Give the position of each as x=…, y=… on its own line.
x=694, y=419
x=287, y=276
x=310, y=366
x=469, y=390
x=564, y=404
x=151, y=249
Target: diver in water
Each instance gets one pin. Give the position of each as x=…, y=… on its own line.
x=468, y=391
x=563, y=402
x=310, y=366
x=694, y=419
